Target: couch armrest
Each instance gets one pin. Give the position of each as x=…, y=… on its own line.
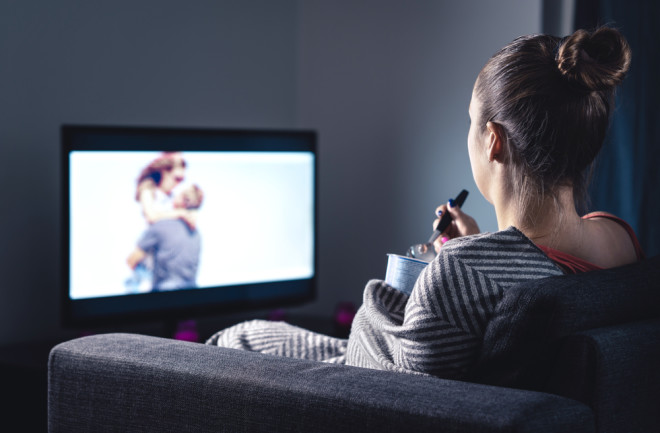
x=127, y=382
x=616, y=371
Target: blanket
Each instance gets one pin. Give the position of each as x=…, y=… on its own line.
x=437, y=330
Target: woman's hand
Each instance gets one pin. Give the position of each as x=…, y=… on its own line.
x=462, y=224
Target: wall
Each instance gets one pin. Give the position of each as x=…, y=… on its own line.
x=386, y=84
x=558, y=17
x=163, y=63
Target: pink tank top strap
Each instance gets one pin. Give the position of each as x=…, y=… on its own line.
x=622, y=223
x=574, y=265
x=570, y=264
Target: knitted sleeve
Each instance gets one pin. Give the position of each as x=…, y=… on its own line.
x=438, y=329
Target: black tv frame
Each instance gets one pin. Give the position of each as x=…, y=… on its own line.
x=170, y=307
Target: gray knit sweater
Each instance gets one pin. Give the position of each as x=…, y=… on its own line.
x=437, y=330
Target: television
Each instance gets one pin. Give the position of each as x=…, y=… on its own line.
x=167, y=224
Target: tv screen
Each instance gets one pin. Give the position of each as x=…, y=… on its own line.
x=175, y=223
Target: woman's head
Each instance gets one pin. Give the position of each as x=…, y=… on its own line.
x=551, y=99
x=164, y=172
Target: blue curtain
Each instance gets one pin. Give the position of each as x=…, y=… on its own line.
x=627, y=174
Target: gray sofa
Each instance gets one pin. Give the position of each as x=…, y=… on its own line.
x=563, y=354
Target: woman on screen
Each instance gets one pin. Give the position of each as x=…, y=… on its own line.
x=154, y=192
x=155, y=185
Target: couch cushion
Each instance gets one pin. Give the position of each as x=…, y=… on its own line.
x=532, y=319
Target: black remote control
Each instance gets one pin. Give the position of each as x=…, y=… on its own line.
x=446, y=218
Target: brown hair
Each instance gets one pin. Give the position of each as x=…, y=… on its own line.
x=553, y=99
x=151, y=175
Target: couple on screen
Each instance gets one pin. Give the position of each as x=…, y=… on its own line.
x=167, y=253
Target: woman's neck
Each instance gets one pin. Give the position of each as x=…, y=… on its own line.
x=554, y=222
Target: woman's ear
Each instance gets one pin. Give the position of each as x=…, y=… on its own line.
x=495, y=142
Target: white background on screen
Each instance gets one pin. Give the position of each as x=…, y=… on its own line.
x=256, y=222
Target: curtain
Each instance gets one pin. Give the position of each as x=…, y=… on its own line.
x=626, y=180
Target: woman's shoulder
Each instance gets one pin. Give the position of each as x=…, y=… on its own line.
x=507, y=256
x=509, y=238
x=510, y=242
x=612, y=240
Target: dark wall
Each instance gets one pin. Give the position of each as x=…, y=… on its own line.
x=161, y=63
x=385, y=83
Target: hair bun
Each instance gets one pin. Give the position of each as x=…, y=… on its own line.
x=594, y=61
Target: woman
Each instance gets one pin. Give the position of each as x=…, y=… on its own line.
x=155, y=185
x=534, y=135
x=539, y=111
x=154, y=193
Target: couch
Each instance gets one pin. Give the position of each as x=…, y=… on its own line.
x=563, y=354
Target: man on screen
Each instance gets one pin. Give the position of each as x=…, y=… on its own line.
x=174, y=245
